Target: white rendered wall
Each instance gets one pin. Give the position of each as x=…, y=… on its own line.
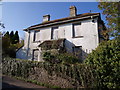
x=89, y=41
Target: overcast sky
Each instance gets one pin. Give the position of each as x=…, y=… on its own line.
x=21, y=15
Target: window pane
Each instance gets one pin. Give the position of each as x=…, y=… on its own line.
x=77, y=30
x=35, y=55
x=36, y=36
x=54, y=33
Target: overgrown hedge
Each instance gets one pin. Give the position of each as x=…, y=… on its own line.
x=106, y=59
x=74, y=75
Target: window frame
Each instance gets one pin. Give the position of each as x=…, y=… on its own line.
x=34, y=37
x=33, y=54
x=73, y=30
x=52, y=31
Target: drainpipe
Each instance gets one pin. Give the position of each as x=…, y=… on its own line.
x=28, y=42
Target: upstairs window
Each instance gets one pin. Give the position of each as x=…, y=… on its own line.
x=77, y=30
x=36, y=36
x=54, y=33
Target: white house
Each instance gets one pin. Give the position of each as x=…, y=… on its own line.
x=76, y=32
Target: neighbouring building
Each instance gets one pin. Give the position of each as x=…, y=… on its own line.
x=76, y=33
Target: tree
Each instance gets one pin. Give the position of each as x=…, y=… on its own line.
x=5, y=44
x=7, y=34
x=10, y=43
x=106, y=59
x=111, y=10
x=12, y=37
x=16, y=37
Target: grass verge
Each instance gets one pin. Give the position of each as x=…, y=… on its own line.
x=36, y=82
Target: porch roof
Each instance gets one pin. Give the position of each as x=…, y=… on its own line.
x=52, y=44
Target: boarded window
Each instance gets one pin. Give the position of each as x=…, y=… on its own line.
x=35, y=55
x=36, y=36
x=77, y=30
x=54, y=33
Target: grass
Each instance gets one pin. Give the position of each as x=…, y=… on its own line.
x=37, y=83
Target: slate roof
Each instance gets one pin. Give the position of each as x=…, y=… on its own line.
x=85, y=15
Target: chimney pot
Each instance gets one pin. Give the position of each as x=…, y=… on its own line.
x=46, y=18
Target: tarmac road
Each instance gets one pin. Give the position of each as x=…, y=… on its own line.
x=12, y=83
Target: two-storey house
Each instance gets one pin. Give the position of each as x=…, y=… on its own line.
x=78, y=32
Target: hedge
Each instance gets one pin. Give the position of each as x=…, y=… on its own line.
x=62, y=75
x=106, y=59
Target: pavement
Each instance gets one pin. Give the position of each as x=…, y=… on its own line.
x=12, y=83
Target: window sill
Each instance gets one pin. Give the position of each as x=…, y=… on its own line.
x=36, y=41
x=78, y=37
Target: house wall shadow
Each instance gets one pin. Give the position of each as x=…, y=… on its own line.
x=22, y=54
x=69, y=48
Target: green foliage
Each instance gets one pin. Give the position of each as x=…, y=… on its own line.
x=66, y=58
x=16, y=37
x=111, y=10
x=106, y=59
x=48, y=57
x=12, y=37
x=10, y=43
x=7, y=34
x=5, y=42
x=36, y=82
x=78, y=75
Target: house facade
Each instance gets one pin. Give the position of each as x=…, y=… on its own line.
x=78, y=32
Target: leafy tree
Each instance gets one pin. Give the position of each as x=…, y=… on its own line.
x=7, y=34
x=12, y=37
x=10, y=43
x=16, y=37
x=112, y=12
x=5, y=44
x=106, y=59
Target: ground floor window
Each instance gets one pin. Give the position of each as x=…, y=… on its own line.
x=35, y=55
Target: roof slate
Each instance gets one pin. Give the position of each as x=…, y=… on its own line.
x=62, y=19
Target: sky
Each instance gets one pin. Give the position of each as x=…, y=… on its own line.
x=17, y=16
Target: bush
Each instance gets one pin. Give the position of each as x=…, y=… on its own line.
x=66, y=58
x=106, y=59
x=47, y=56
x=77, y=75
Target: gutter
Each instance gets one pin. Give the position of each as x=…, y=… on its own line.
x=60, y=22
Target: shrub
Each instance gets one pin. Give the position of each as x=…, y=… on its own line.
x=106, y=59
x=77, y=75
x=66, y=58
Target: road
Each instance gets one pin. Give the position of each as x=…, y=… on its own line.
x=12, y=83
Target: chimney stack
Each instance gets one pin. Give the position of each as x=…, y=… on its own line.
x=73, y=11
x=46, y=18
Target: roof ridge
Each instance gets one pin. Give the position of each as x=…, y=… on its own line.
x=61, y=19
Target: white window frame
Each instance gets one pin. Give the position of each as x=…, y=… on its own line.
x=55, y=32
x=77, y=33
x=36, y=34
